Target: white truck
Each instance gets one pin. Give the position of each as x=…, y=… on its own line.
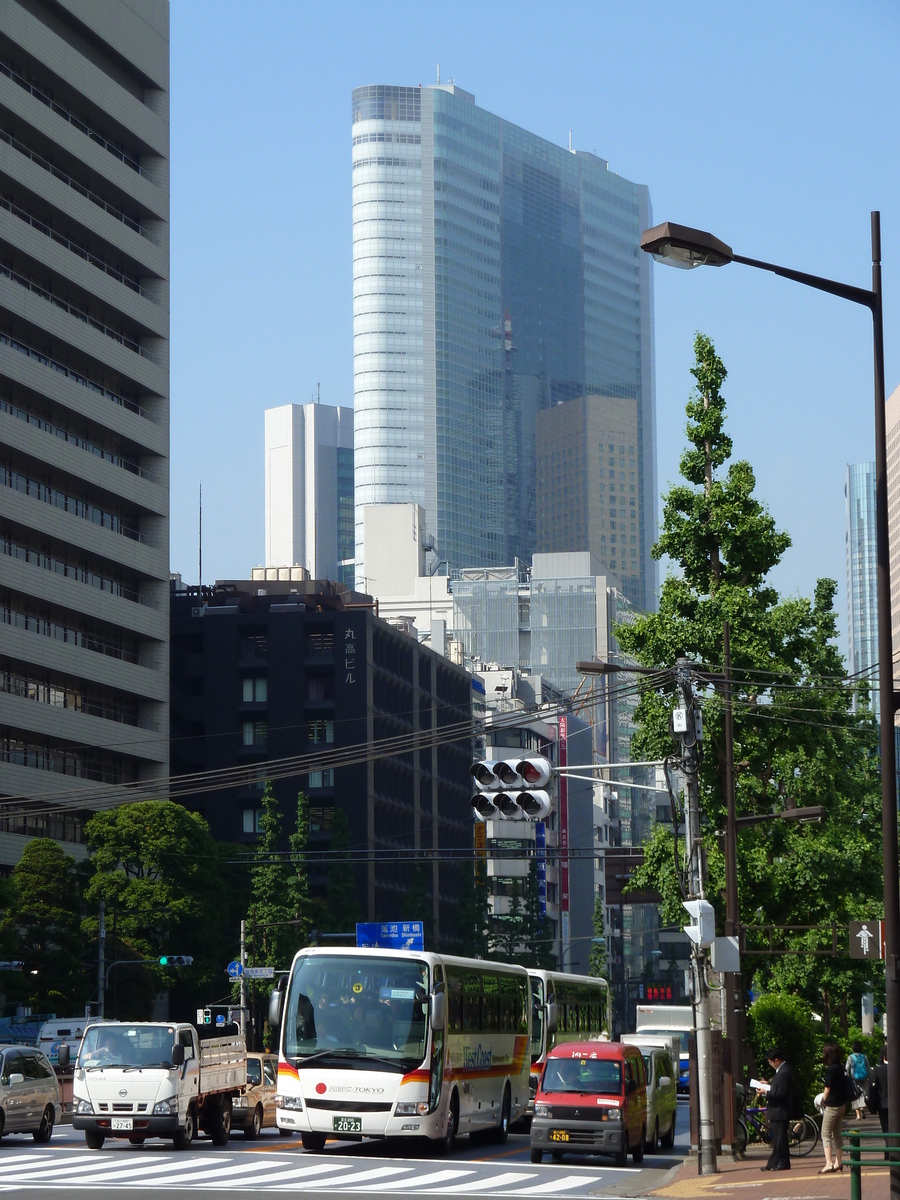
x=155, y=1079
x=667, y=1021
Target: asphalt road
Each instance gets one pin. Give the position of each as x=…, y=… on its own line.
x=274, y=1165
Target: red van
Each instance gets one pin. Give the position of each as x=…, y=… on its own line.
x=591, y=1099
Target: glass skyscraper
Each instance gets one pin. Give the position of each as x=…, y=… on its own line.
x=495, y=275
x=862, y=595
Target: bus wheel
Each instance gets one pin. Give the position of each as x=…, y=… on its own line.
x=446, y=1143
x=312, y=1140
x=501, y=1133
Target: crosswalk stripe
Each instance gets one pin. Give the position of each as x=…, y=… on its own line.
x=493, y=1181
x=563, y=1184
x=424, y=1181
x=298, y=1174
x=53, y=1170
x=112, y=1171
x=351, y=1181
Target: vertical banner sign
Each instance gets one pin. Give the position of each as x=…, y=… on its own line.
x=480, y=847
x=564, y=839
x=540, y=850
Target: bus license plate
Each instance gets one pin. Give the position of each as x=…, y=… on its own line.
x=122, y=1123
x=346, y=1124
x=559, y=1135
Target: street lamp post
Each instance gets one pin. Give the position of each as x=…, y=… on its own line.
x=681, y=246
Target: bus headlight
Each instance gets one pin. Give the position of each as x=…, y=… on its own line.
x=408, y=1108
x=293, y=1102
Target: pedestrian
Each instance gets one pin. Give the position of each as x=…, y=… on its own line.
x=877, y=1094
x=857, y=1068
x=780, y=1108
x=835, y=1101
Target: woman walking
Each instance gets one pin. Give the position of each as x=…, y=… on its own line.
x=858, y=1071
x=834, y=1100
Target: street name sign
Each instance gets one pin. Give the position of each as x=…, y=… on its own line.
x=391, y=935
x=259, y=972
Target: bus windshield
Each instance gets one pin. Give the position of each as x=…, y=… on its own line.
x=537, y=1017
x=362, y=1011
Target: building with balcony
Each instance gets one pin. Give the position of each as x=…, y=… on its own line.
x=84, y=409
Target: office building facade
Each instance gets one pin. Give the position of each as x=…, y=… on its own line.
x=495, y=275
x=84, y=408
x=309, y=490
x=862, y=586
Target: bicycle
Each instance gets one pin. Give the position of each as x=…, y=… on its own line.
x=803, y=1132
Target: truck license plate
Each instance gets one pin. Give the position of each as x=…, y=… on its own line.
x=346, y=1124
x=559, y=1135
x=122, y=1123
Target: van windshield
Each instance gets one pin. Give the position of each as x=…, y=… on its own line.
x=583, y=1075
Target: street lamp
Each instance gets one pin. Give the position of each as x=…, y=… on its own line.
x=679, y=245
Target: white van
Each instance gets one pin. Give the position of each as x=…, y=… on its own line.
x=659, y=1055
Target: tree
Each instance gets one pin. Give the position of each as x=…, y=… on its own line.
x=340, y=911
x=471, y=921
x=279, y=885
x=41, y=926
x=157, y=868
x=597, y=956
x=799, y=739
x=536, y=937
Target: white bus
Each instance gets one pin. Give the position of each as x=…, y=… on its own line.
x=400, y=1043
x=565, y=1008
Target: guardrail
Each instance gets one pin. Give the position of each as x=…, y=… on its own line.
x=865, y=1150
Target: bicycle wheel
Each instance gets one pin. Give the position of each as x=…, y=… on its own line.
x=803, y=1137
x=740, y=1137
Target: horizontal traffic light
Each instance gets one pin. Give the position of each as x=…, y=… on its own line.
x=530, y=805
x=175, y=960
x=501, y=774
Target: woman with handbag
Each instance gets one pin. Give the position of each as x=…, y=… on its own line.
x=834, y=1100
x=858, y=1071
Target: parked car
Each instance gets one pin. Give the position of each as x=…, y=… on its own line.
x=254, y=1110
x=29, y=1092
x=662, y=1098
x=591, y=1099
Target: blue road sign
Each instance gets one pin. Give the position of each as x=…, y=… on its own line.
x=234, y=970
x=391, y=935
x=220, y=1018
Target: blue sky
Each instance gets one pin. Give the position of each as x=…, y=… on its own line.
x=773, y=125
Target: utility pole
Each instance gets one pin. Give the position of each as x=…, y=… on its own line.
x=686, y=727
x=101, y=963
x=734, y=994
x=244, y=981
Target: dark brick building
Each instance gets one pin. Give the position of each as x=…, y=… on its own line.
x=265, y=670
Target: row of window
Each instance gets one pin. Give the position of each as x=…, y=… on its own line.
x=47, y=561
x=41, y=756
x=62, y=827
x=48, y=494
x=44, y=691
x=61, y=632
x=66, y=435
x=321, y=819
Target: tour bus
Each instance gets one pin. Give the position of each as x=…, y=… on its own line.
x=400, y=1043
x=565, y=1008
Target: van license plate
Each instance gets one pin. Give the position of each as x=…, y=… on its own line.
x=122, y=1123
x=346, y=1124
x=559, y=1135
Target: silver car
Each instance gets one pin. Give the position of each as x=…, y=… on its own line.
x=29, y=1093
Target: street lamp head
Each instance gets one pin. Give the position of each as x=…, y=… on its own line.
x=681, y=246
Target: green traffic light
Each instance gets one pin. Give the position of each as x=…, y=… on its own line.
x=163, y=960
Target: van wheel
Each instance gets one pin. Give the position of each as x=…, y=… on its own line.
x=251, y=1131
x=44, y=1131
x=637, y=1153
x=621, y=1157
x=285, y=1132
x=313, y=1141
x=93, y=1140
x=651, y=1144
x=501, y=1133
x=667, y=1141
x=537, y=1156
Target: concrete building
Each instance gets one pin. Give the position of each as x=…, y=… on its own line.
x=271, y=669
x=309, y=490
x=84, y=408
x=495, y=275
x=862, y=589
x=588, y=497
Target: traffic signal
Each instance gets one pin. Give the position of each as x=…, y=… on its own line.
x=175, y=960
x=204, y=1016
x=702, y=929
x=513, y=788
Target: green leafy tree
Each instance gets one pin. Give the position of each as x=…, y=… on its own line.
x=470, y=917
x=158, y=870
x=42, y=927
x=279, y=885
x=799, y=739
x=597, y=956
x=784, y=1021
x=536, y=935
x=340, y=911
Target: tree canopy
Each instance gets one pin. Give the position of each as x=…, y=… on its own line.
x=804, y=734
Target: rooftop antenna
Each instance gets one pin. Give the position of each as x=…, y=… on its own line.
x=200, y=540
x=571, y=151
x=317, y=393
x=439, y=72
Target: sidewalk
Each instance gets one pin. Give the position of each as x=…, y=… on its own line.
x=746, y=1181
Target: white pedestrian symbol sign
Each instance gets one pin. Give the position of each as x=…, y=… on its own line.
x=866, y=939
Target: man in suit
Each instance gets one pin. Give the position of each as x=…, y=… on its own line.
x=779, y=1109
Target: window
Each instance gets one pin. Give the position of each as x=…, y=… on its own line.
x=320, y=819
x=320, y=643
x=186, y=1039
x=270, y=1073
x=321, y=779
x=321, y=732
x=256, y=691
x=319, y=687
x=254, y=647
x=251, y=820
x=256, y=733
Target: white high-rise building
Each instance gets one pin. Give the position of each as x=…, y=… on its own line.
x=309, y=490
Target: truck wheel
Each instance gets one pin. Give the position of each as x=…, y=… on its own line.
x=184, y=1136
x=251, y=1130
x=93, y=1140
x=220, y=1122
x=313, y=1141
x=137, y=1140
